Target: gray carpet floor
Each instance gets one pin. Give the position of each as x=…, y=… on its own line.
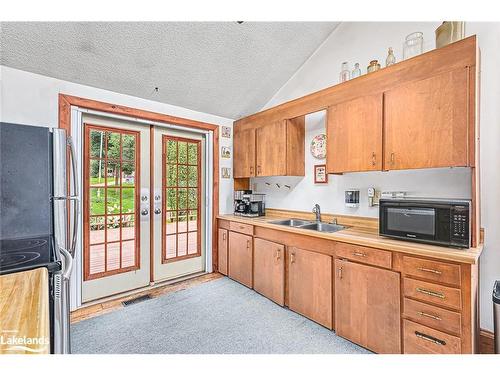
x=219, y=316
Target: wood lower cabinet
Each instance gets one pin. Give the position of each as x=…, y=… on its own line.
x=241, y=258
x=310, y=285
x=244, y=153
x=426, y=122
x=367, y=306
x=269, y=270
x=222, y=250
x=355, y=135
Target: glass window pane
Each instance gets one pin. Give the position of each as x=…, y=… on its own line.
x=113, y=256
x=193, y=176
x=182, y=222
x=182, y=175
x=96, y=144
x=113, y=201
x=113, y=228
x=128, y=227
x=171, y=199
x=128, y=152
x=96, y=258
x=97, y=171
x=96, y=201
x=182, y=153
x=96, y=225
x=171, y=222
x=171, y=246
x=113, y=149
x=128, y=254
x=128, y=200
x=182, y=244
x=193, y=220
x=193, y=153
x=182, y=199
x=171, y=175
x=113, y=173
x=171, y=151
x=193, y=198
x=192, y=242
x=128, y=174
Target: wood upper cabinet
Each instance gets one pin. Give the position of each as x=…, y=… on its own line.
x=426, y=122
x=240, y=258
x=367, y=306
x=222, y=250
x=354, y=131
x=310, y=285
x=269, y=270
x=244, y=153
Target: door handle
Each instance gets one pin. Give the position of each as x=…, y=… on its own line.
x=374, y=158
x=340, y=272
x=251, y=170
x=144, y=212
x=278, y=254
x=224, y=236
x=292, y=258
x=248, y=244
x=429, y=270
x=258, y=169
x=392, y=158
x=435, y=317
x=157, y=211
x=430, y=293
x=429, y=338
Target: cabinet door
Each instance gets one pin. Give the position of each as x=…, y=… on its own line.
x=367, y=306
x=354, y=131
x=426, y=123
x=271, y=149
x=310, y=285
x=240, y=258
x=222, y=251
x=244, y=153
x=269, y=270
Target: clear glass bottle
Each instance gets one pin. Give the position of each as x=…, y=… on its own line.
x=345, y=75
x=413, y=45
x=373, y=67
x=356, y=72
x=391, y=59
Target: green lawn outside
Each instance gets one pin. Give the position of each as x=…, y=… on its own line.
x=97, y=201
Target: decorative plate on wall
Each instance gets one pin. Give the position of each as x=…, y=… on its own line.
x=318, y=146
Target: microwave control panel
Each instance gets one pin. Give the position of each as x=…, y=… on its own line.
x=460, y=226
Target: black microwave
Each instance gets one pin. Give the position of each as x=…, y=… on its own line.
x=435, y=221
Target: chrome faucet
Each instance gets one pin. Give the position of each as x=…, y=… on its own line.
x=317, y=211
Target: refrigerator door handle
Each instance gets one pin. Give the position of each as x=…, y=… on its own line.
x=68, y=263
x=75, y=197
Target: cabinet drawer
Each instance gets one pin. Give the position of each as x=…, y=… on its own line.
x=432, y=270
x=419, y=339
x=362, y=254
x=223, y=224
x=432, y=316
x=434, y=293
x=241, y=228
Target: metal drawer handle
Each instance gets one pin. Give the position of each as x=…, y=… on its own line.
x=359, y=254
x=248, y=244
x=292, y=258
x=374, y=157
x=430, y=293
x=421, y=313
x=429, y=270
x=434, y=340
x=224, y=236
x=278, y=254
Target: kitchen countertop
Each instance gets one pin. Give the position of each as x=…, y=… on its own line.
x=24, y=312
x=368, y=237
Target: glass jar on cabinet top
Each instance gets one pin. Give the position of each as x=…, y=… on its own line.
x=356, y=72
x=413, y=45
x=391, y=59
x=373, y=67
x=345, y=74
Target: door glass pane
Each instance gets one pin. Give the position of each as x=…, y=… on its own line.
x=96, y=229
x=113, y=149
x=193, y=220
x=171, y=247
x=182, y=175
x=96, y=259
x=182, y=245
x=182, y=221
x=411, y=220
x=113, y=171
x=171, y=199
x=128, y=253
x=128, y=152
x=182, y=199
x=96, y=140
x=97, y=172
x=171, y=222
x=128, y=227
x=128, y=200
x=193, y=198
x=172, y=151
x=192, y=242
x=182, y=153
x=113, y=256
x=128, y=174
x=171, y=175
x=96, y=201
x=113, y=200
x=193, y=176
x=192, y=153
x=113, y=228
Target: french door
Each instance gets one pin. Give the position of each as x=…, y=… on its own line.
x=126, y=244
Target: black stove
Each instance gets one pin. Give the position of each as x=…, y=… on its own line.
x=21, y=254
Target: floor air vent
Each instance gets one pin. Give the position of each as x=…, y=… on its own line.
x=136, y=300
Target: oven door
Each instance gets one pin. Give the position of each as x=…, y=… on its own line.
x=411, y=221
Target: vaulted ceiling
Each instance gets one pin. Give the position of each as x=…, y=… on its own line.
x=223, y=68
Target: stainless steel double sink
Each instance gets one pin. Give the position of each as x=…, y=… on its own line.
x=318, y=226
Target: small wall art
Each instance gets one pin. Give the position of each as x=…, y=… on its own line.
x=318, y=146
x=320, y=175
x=225, y=152
x=226, y=172
x=226, y=132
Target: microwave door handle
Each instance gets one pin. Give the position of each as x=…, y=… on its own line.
x=75, y=197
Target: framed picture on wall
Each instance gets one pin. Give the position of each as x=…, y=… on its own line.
x=226, y=132
x=226, y=152
x=320, y=175
x=226, y=172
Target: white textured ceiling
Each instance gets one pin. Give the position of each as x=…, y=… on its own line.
x=222, y=68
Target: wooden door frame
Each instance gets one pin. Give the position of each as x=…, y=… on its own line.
x=64, y=121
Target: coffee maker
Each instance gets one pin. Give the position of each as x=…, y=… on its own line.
x=249, y=204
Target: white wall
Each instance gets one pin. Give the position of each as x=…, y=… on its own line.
x=362, y=42
x=32, y=99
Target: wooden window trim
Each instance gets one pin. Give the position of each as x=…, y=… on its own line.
x=64, y=122
x=86, y=203
x=164, y=259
